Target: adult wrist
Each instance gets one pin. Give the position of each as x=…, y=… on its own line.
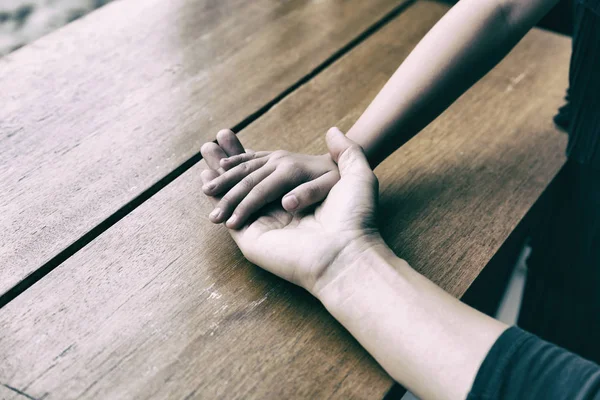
x=362, y=258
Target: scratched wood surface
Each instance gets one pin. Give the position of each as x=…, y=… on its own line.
x=97, y=112
x=163, y=305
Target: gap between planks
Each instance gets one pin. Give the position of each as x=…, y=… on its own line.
x=127, y=208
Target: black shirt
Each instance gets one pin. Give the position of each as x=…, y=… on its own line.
x=584, y=81
x=523, y=366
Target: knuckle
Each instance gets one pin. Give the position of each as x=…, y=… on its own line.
x=247, y=183
x=290, y=168
x=288, y=164
x=244, y=167
x=279, y=154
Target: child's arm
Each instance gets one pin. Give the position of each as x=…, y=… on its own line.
x=462, y=47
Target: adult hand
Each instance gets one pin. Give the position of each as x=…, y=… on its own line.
x=311, y=249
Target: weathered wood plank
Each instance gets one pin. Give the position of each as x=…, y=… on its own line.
x=163, y=305
x=97, y=112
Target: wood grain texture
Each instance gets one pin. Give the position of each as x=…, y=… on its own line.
x=97, y=112
x=162, y=305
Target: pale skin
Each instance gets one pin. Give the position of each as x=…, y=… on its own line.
x=462, y=47
x=423, y=337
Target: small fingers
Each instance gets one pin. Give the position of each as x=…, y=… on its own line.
x=311, y=192
x=265, y=192
x=230, y=162
x=208, y=175
x=232, y=198
x=229, y=179
x=212, y=154
x=229, y=142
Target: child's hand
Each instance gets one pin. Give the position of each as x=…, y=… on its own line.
x=252, y=180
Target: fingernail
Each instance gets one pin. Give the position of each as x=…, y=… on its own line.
x=209, y=186
x=290, y=202
x=231, y=221
x=215, y=213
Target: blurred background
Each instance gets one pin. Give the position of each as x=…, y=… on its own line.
x=23, y=21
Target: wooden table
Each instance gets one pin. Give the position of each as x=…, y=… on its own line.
x=113, y=282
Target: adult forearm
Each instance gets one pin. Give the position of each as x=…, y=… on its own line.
x=423, y=337
x=462, y=47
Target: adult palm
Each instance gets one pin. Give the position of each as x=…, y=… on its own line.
x=305, y=247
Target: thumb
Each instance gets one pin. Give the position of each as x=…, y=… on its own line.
x=348, y=155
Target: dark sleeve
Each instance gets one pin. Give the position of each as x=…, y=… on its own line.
x=523, y=366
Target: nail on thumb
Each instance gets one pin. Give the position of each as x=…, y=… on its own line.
x=346, y=153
